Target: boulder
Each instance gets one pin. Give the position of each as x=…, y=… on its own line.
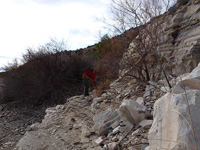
x=105, y=120
x=176, y=123
x=172, y=127
x=189, y=82
x=132, y=111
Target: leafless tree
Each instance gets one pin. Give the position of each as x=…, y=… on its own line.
x=145, y=17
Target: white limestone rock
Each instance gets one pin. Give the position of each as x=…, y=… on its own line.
x=99, y=141
x=146, y=123
x=98, y=100
x=112, y=145
x=116, y=130
x=85, y=131
x=140, y=100
x=171, y=128
x=189, y=82
x=105, y=120
x=132, y=111
x=147, y=148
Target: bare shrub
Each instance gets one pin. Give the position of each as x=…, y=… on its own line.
x=11, y=66
x=47, y=76
x=143, y=59
x=101, y=87
x=109, y=53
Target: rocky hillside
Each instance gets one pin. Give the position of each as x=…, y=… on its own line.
x=94, y=123
x=179, y=40
x=121, y=120
x=128, y=115
x=182, y=38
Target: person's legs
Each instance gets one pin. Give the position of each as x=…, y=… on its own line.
x=86, y=86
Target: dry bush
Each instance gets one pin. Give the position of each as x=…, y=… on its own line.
x=110, y=52
x=45, y=77
x=143, y=59
x=101, y=87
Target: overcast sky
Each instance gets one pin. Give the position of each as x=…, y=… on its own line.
x=29, y=23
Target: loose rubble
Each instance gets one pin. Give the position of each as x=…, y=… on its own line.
x=123, y=115
x=103, y=124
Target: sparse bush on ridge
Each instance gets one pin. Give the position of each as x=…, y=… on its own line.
x=142, y=60
x=110, y=52
x=49, y=73
x=47, y=76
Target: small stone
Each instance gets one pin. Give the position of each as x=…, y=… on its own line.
x=112, y=145
x=140, y=100
x=76, y=126
x=146, y=123
x=116, y=130
x=34, y=126
x=127, y=94
x=118, y=97
x=8, y=143
x=115, y=139
x=107, y=101
x=85, y=146
x=109, y=134
x=85, y=140
x=146, y=94
x=60, y=107
x=136, y=132
x=105, y=146
x=99, y=141
x=148, y=103
x=85, y=131
x=165, y=89
x=50, y=110
x=98, y=100
x=144, y=141
x=53, y=132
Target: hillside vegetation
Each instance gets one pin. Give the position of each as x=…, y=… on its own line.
x=50, y=74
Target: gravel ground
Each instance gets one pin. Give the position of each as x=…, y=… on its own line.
x=15, y=119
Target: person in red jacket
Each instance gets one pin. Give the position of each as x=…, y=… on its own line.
x=88, y=75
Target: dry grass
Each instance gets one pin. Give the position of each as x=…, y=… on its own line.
x=100, y=88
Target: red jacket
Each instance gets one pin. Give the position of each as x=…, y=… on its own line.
x=90, y=75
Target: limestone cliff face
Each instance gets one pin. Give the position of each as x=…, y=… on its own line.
x=182, y=45
x=176, y=120
x=180, y=38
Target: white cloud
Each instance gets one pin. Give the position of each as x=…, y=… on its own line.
x=27, y=23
